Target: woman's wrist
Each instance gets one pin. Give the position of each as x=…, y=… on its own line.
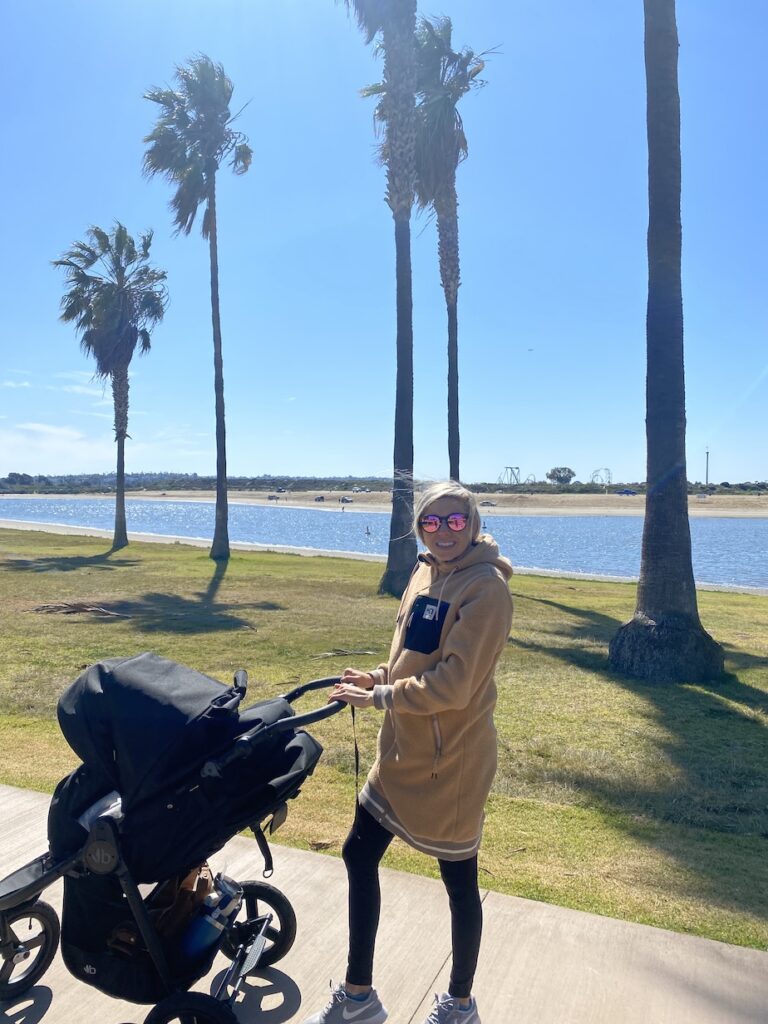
x=382, y=697
x=377, y=677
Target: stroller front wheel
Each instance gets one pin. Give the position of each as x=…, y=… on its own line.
x=32, y=932
x=260, y=899
x=191, y=1008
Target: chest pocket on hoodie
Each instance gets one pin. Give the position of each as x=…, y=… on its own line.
x=425, y=623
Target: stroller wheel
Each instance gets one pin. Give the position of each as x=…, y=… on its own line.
x=33, y=933
x=260, y=899
x=191, y=1008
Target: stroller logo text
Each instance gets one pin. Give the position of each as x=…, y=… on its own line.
x=89, y=969
x=100, y=857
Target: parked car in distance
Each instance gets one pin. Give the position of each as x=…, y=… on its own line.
x=487, y=502
x=345, y=500
x=626, y=490
x=319, y=497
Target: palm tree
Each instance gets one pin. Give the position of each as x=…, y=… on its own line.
x=395, y=21
x=665, y=640
x=444, y=76
x=115, y=297
x=191, y=138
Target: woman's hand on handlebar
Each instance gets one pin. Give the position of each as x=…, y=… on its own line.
x=357, y=678
x=349, y=693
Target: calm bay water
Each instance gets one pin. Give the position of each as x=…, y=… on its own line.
x=727, y=551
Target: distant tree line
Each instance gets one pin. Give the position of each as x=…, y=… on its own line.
x=98, y=483
x=24, y=483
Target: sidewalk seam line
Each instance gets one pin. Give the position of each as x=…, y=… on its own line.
x=440, y=969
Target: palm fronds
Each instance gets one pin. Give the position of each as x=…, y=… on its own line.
x=445, y=75
x=193, y=134
x=115, y=306
x=369, y=15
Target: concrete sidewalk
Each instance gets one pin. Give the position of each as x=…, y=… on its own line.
x=540, y=964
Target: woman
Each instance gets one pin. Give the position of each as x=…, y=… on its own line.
x=436, y=754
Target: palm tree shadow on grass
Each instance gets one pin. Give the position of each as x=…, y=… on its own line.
x=69, y=563
x=153, y=612
x=597, y=629
x=171, y=613
x=717, y=777
x=592, y=631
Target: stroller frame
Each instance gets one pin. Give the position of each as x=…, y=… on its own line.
x=101, y=855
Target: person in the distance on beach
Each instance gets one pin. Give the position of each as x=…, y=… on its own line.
x=436, y=754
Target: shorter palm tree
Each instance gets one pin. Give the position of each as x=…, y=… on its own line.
x=192, y=136
x=444, y=76
x=114, y=299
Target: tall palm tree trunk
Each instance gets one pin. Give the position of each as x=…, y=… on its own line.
x=399, y=46
x=402, y=544
x=446, y=206
x=120, y=400
x=454, y=441
x=220, y=544
x=665, y=641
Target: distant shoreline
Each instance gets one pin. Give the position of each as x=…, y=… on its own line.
x=745, y=506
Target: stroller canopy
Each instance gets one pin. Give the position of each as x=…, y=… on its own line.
x=143, y=722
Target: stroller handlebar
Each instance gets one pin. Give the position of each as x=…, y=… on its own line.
x=244, y=744
x=316, y=684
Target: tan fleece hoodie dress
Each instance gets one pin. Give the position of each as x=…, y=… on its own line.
x=436, y=754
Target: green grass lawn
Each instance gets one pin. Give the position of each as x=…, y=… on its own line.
x=648, y=803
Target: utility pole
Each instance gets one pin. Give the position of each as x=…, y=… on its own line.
x=706, y=472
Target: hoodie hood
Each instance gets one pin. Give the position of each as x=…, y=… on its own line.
x=485, y=549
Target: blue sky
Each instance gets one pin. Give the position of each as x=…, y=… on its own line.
x=553, y=218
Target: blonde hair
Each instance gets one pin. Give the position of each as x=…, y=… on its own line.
x=447, y=489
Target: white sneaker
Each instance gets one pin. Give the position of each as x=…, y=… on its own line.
x=343, y=1009
x=448, y=1011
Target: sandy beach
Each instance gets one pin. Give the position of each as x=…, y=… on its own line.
x=731, y=505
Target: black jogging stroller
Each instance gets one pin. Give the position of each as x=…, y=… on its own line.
x=172, y=769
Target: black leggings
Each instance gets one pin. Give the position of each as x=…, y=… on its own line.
x=363, y=849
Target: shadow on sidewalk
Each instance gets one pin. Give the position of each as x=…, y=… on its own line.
x=268, y=996
x=29, y=1008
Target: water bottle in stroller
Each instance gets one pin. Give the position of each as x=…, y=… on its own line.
x=217, y=912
